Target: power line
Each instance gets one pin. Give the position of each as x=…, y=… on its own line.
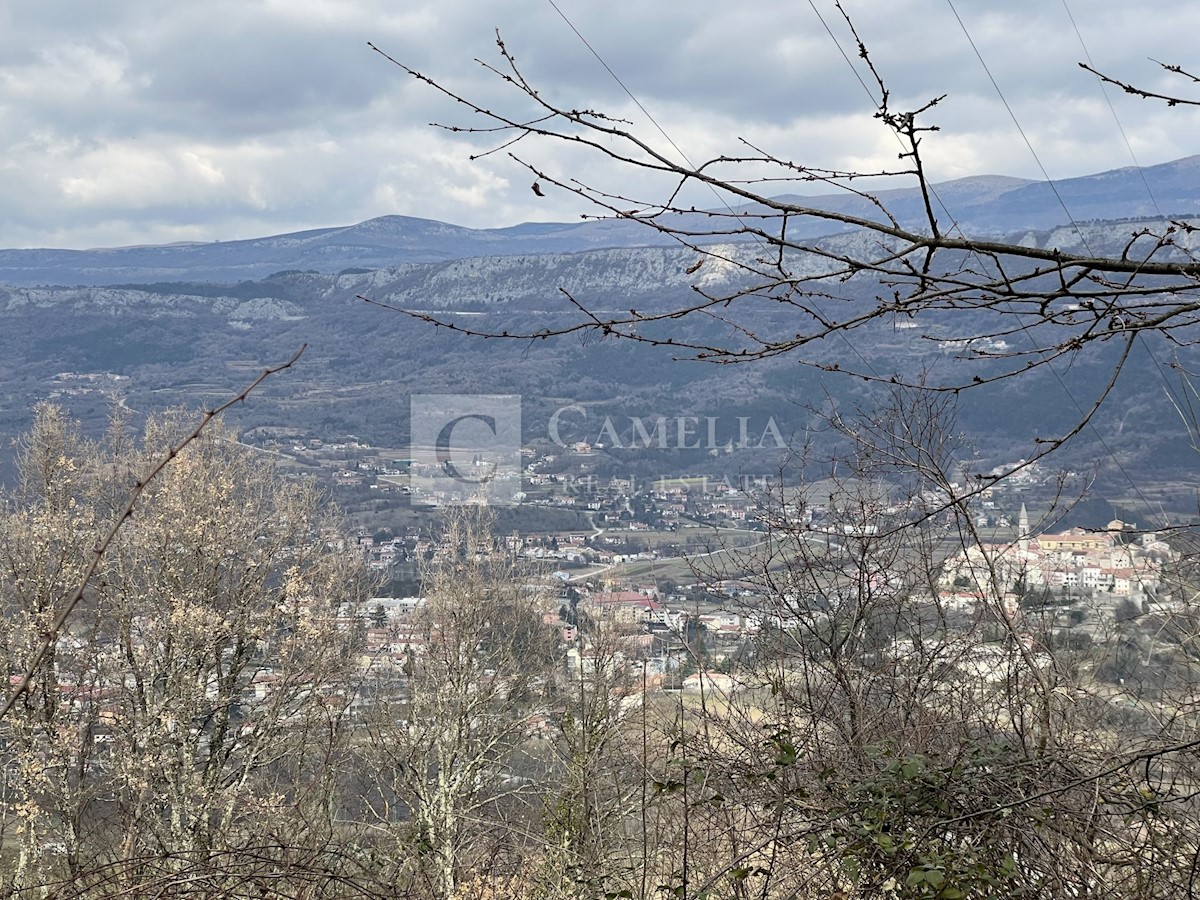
x=1012, y=115
x=1112, y=109
x=955, y=226
x=1145, y=183
x=841, y=50
x=866, y=362
x=618, y=80
x=1075, y=402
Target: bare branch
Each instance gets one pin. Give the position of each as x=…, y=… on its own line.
x=982, y=287
x=1128, y=88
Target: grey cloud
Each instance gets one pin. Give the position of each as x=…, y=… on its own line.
x=227, y=119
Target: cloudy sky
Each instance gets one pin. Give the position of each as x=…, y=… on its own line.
x=131, y=121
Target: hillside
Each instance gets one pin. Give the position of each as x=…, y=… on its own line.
x=190, y=342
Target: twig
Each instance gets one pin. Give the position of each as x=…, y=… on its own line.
x=1128, y=88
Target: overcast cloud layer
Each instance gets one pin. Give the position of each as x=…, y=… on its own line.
x=130, y=122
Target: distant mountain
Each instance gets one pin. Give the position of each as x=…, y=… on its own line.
x=984, y=205
x=376, y=243
x=187, y=343
x=993, y=204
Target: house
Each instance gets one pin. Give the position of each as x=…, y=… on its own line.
x=1075, y=540
x=622, y=607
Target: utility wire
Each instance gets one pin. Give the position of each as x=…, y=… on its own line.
x=866, y=362
x=955, y=226
x=841, y=50
x=618, y=80
x=1112, y=109
x=1149, y=193
x=1066, y=389
x=1012, y=115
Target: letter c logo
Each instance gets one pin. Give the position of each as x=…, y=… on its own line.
x=445, y=436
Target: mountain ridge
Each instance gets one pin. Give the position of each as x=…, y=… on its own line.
x=991, y=205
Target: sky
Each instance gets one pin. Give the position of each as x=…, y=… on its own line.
x=138, y=122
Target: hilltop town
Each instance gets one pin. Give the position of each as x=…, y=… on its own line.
x=1111, y=563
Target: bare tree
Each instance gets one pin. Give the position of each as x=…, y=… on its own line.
x=1130, y=88
x=199, y=704
x=888, y=738
x=451, y=745
x=602, y=808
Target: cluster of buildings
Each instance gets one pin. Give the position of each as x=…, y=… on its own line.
x=1115, y=561
x=663, y=503
x=635, y=631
